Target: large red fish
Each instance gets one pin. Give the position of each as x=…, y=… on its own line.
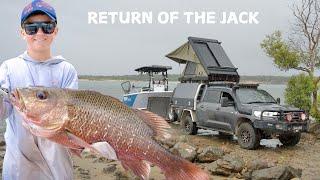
x=81, y=119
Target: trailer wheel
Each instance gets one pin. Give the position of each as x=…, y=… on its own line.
x=188, y=126
x=248, y=136
x=290, y=139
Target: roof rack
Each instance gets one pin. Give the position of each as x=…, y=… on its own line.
x=234, y=84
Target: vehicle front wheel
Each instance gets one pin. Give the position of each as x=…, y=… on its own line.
x=290, y=139
x=189, y=126
x=248, y=136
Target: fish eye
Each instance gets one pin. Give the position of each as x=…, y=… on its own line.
x=41, y=95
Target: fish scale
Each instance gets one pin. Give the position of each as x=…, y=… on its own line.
x=117, y=116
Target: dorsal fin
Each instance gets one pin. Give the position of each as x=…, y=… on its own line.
x=157, y=123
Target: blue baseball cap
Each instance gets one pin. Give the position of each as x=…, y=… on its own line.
x=38, y=6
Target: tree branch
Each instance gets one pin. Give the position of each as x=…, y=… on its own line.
x=303, y=69
x=317, y=80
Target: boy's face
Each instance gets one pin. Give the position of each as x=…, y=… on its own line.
x=39, y=41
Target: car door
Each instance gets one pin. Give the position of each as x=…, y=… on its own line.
x=206, y=109
x=226, y=115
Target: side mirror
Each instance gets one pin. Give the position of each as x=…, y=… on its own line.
x=226, y=103
x=126, y=87
x=278, y=100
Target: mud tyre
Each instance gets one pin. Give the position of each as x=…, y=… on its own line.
x=248, y=136
x=188, y=126
x=290, y=139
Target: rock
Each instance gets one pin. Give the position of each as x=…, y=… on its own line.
x=110, y=169
x=2, y=153
x=314, y=128
x=277, y=172
x=84, y=173
x=103, y=160
x=182, y=138
x=209, y=154
x=92, y=156
x=85, y=152
x=184, y=150
x=247, y=175
x=2, y=143
x=259, y=164
x=120, y=175
x=226, y=166
x=169, y=143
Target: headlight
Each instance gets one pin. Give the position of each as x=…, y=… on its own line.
x=257, y=113
x=270, y=114
x=265, y=114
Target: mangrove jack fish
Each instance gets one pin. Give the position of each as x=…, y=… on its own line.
x=81, y=119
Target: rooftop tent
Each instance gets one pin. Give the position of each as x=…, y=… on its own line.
x=205, y=60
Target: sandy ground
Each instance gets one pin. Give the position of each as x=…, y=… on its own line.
x=305, y=155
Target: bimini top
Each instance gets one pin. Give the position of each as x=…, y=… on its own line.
x=205, y=60
x=153, y=68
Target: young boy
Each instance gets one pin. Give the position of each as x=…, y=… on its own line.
x=28, y=156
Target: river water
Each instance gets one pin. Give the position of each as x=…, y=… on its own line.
x=113, y=88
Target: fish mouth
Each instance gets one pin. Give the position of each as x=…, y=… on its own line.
x=17, y=100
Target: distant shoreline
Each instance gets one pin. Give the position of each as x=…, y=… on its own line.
x=175, y=77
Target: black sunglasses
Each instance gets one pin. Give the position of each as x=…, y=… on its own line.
x=32, y=28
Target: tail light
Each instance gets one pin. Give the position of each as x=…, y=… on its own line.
x=303, y=116
x=289, y=117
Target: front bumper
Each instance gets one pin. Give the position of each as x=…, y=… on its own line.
x=281, y=127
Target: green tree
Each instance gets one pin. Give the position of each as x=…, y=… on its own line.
x=298, y=91
x=300, y=51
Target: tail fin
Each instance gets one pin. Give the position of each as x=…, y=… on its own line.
x=181, y=169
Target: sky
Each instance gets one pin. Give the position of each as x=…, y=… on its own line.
x=117, y=49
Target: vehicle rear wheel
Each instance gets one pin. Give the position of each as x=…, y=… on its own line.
x=290, y=139
x=248, y=137
x=188, y=126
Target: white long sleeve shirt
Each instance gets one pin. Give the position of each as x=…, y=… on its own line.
x=27, y=156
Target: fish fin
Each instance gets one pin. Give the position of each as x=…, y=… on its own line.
x=157, y=123
x=102, y=148
x=80, y=142
x=177, y=168
x=139, y=167
x=105, y=149
x=76, y=152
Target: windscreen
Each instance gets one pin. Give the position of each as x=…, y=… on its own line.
x=250, y=96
